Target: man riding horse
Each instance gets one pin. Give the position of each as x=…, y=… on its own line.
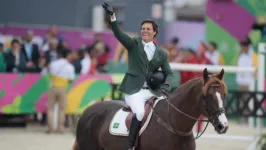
x=142, y=80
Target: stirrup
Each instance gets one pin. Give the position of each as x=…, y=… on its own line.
x=132, y=148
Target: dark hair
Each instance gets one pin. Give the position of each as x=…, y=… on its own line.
x=154, y=25
x=15, y=41
x=213, y=44
x=244, y=43
x=247, y=39
x=1, y=45
x=64, y=52
x=175, y=40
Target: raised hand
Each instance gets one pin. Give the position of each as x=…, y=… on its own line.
x=108, y=9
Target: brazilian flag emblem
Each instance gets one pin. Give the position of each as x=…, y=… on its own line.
x=116, y=125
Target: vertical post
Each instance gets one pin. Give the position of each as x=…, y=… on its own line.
x=260, y=78
x=98, y=18
x=169, y=11
x=252, y=88
x=260, y=87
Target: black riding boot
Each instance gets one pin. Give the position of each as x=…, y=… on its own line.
x=133, y=132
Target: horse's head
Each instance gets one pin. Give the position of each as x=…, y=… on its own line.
x=214, y=92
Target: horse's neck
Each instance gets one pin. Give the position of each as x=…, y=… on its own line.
x=186, y=98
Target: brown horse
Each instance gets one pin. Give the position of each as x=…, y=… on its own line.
x=171, y=124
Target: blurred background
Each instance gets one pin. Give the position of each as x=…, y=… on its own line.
x=217, y=33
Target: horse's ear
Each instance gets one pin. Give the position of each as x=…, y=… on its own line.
x=221, y=74
x=205, y=75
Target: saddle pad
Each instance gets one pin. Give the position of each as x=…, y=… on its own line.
x=118, y=125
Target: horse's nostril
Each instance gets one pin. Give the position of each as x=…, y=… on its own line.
x=220, y=127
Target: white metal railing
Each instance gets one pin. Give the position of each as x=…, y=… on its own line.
x=211, y=68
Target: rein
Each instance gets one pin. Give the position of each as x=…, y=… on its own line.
x=174, y=131
x=193, y=118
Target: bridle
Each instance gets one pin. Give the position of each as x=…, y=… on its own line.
x=211, y=116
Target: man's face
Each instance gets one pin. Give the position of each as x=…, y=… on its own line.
x=147, y=32
x=170, y=45
x=211, y=47
x=15, y=47
x=244, y=48
x=29, y=37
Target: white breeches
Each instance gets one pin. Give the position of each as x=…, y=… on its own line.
x=137, y=102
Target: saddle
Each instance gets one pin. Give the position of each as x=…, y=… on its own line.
x=121, y=121
x=148, y=107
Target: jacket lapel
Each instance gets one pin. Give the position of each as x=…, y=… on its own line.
x=25, y=53
x=153, y=64
x=142, y=51
x=155, y=54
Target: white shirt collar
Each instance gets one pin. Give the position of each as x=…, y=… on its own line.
x=148, y=43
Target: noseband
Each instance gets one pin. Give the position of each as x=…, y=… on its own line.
x=215, y=113
x=211, y=116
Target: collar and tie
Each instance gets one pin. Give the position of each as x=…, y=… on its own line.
x=148, y=44
x=149, y=49
x=28, y=48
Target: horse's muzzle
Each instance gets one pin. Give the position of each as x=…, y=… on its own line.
x=220, y=128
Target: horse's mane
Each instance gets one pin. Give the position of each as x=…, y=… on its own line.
x=183, y=89
x=191, y=83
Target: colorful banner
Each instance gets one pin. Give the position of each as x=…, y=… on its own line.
x=27, y=93
x=225, y=27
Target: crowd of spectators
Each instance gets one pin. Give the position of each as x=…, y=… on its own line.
x=209, y=54
x=204, y=54
x=30, y=55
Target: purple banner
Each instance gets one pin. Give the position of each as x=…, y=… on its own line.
x=227, y=16
x=189, y=33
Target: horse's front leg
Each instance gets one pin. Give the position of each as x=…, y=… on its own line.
x=189, y=143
